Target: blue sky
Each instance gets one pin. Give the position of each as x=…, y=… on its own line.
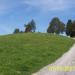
x=15, y=13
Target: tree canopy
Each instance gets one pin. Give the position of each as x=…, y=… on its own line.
x=30, y=27
x=56, y=26
x=16, y=30
x=70, y=28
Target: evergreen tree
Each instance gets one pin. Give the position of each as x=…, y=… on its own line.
x=30, y=27
x=69, y=27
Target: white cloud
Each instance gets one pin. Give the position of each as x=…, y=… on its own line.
x=49, y=5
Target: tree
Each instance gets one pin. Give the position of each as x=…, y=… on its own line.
x=30, y=27
x=21, y=31
x=73, y=29
x=16, y=31
x=70, y=28
x=56, y=26
x=33, y=25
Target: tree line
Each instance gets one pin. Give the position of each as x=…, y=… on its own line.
x=56, y=26
x=30, y=27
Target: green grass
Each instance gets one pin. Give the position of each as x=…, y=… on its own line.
x=24, y=54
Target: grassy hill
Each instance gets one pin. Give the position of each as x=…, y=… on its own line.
x=24, y=54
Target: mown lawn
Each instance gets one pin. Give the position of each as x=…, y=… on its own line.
x=24, y=54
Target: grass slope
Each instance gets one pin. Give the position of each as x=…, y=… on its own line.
x=23, y=54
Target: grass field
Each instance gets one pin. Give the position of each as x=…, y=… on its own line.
x=24, y=54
